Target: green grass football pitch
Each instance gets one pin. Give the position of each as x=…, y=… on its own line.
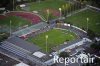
x=55, y=38
x=79, y=20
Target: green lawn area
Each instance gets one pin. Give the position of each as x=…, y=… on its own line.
x=55, y=38
x=55, y=4
x=15, y=22
x=79, y=20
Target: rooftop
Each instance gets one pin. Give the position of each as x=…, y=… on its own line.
x=23, y=44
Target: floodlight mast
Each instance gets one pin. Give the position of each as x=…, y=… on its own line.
x=60, y=12
x=13, y=5
x=48, y=15
x=46, y=37
x=87, y=23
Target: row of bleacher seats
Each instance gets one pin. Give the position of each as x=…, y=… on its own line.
x=7, y=46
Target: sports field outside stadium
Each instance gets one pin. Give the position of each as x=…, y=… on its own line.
x=80, y=20
x=15, y=22
x=55, y=4
x=17, y=19
x=56, y=37
x=42, y=7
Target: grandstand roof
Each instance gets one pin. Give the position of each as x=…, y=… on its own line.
x=30, y=29
x=23, y=44
x=66, y=45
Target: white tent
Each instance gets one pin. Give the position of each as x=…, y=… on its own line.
x=22, y=5
x=21, y=64
x=83, y=56
x=39, y=54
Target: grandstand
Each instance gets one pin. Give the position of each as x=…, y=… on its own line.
x=22, y=49
x=31, y=29
x=27, y=47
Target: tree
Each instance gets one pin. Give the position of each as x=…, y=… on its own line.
x=66, y=9
x=91, y=34
x=88, y=64
x=96, y=3
x=3, y=36
x=95, y=46
x=92, y=2
x=97, y=62
x=63, y=10
x=64, y=54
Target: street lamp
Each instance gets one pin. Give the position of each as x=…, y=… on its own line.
x=79, y=64
x=81, y=2
x=87, y=23
x=39, y=1
x=63, y=10
x=48, y=15
x=13, y=5
x=10, y=27
x=19, y=26
x=60, y=12
x=46, y=37
x=69, y=5
x=67, y=9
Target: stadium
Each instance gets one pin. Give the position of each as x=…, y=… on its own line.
x=40, y=30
